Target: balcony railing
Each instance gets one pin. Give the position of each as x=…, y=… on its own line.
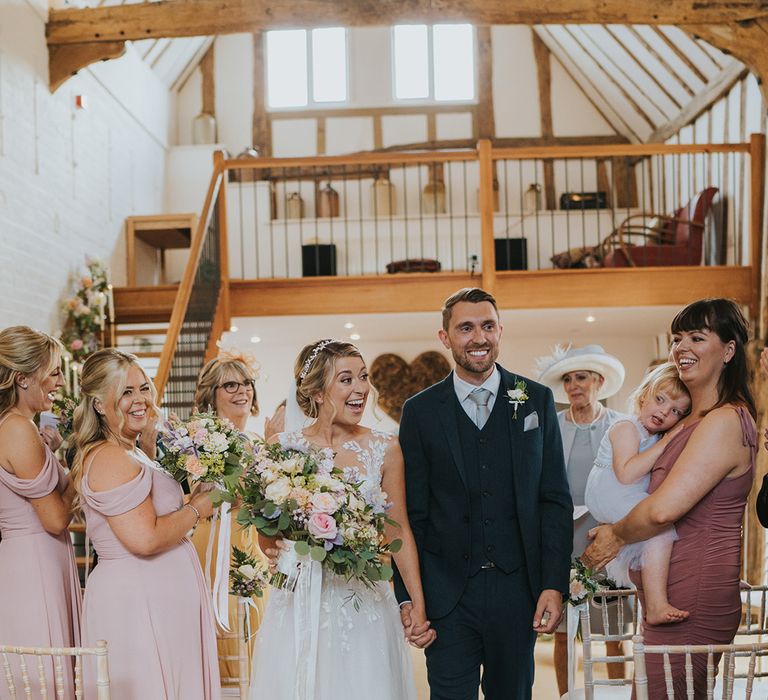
x=485, y=210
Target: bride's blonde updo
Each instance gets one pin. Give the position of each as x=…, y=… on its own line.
x=314, y=368
x=105, y=372
x=26, y=351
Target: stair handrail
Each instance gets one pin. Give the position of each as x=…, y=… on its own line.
x=185, y=286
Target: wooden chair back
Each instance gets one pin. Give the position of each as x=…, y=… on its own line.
x=672, y=668
x=611, y=609
x=35, y=672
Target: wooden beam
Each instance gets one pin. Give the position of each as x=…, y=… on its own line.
x=541, y=56
x=171, y=18
x=747, y=41
x=486, y=122
x=701, y=103
x=591, y=91
x=517, y=142
x=64, y=61
x=262, y=126
x=544, y=74
x=541, y=289
x=209, y=82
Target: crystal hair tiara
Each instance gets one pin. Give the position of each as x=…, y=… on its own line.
x=313, y=356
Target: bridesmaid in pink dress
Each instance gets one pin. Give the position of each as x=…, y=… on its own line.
x=39, y=589
x=147, y=597
x=700, y=484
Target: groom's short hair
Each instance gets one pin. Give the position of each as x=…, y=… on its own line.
x=474, y=295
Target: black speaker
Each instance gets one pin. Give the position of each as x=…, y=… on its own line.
x=318, y=259
x=511, y=253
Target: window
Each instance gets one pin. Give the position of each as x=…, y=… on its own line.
x=306, y=67
x=434, y=62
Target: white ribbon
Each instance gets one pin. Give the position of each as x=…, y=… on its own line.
x=220, y=588
x=573, y=614
x=247, y=605
x=306, y=616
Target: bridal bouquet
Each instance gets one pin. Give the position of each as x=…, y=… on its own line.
x=297, y=493
x=206, y=449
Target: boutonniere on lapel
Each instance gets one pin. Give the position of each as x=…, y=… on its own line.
x=517, y=396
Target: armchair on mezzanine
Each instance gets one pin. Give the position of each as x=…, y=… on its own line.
x=676, y=239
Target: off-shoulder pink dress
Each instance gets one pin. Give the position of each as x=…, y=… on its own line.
x=154, y=611
x=39, y=589
x=704, y=568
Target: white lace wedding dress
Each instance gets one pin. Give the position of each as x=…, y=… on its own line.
x=344, y=653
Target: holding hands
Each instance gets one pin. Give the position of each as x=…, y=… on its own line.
x=416, y=626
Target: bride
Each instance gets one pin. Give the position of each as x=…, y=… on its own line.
x=352, y=645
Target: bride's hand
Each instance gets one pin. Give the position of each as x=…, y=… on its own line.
x=419, y=632
x=271, y=546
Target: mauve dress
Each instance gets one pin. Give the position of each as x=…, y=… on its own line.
x=154, y=611
x=704, y=569
x=39, y=588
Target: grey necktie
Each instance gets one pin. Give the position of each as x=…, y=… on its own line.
x=480, y=398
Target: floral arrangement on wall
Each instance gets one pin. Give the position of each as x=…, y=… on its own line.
x=86, y=312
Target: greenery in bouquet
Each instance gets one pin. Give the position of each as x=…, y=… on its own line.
x=586, y=581
x=332, y=515
x=248, y=576
x=85, y=312
x=205, y=449
x=64, y=405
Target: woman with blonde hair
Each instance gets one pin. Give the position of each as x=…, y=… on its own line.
x=226, y=386
x=39, y=589
x=147, y=596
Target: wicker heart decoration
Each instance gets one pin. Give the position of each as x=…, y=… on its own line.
x=395, y=380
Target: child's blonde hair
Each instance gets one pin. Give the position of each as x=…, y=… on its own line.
x=664, y=377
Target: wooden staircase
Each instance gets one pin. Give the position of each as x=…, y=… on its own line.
x=174, y=329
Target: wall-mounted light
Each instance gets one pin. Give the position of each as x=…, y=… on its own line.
x=255, y=339
x=590, y=319
x=233, y=329
x=349, y=325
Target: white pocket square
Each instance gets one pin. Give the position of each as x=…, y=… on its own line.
x=531, y=422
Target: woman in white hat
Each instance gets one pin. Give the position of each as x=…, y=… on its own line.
x=581, y=377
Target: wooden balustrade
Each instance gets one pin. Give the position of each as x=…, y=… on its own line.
x=634, y=179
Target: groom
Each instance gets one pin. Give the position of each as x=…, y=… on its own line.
x=490, y=509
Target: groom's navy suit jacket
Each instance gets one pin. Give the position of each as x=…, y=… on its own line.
x=439, y=499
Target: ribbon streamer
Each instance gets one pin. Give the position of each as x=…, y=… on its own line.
x=573, y=615
x=220, y=591
x=306, y=617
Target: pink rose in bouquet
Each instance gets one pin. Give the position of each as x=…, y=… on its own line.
x=322, y=526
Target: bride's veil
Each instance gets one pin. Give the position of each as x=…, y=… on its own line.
x=295, y=419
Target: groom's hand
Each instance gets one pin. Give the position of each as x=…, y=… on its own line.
x=417, y=631
x=549, y=611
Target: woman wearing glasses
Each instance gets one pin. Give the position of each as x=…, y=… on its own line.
x=226, y=386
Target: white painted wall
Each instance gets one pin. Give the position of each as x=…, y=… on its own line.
x=515, y=84
x=69, y=177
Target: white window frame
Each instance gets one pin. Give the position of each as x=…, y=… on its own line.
x=311, y=103
x=430, y=99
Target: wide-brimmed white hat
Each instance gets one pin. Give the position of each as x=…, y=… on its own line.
x=591, y=357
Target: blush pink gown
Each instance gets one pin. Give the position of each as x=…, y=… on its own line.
x=153, y=611
x=704, y=569
x=39, y=588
